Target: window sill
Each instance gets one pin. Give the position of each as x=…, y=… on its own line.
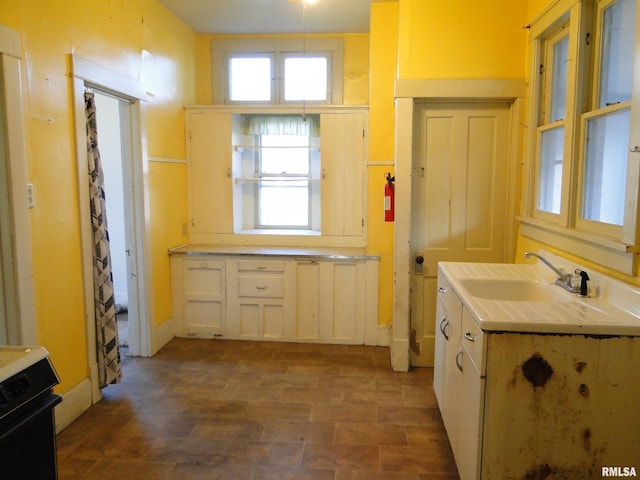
x=604, y=251
x=279, y=231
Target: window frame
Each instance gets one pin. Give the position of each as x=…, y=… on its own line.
x=593, y=111
x=280, y=48
x=261, y=176
x=615, y=248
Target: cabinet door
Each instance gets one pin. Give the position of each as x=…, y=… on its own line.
x=204, y=297
x=469, y=417
x=258, y=319
x=343, y=143
x=209, y=139
x=307, y=301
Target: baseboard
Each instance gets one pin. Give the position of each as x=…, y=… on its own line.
x=161, y=335
x=384, y=334
x=74, y=403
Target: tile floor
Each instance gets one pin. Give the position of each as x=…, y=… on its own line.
x=217, y=409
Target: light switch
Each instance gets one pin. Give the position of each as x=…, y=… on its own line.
x=31, y=196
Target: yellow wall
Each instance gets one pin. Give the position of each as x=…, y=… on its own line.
x=113, y=34
x=461, y=39
x=383, y=47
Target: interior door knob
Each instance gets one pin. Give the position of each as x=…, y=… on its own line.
x=419, y=259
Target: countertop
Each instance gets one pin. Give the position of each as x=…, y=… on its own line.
x=287, y=252
x=612, y=310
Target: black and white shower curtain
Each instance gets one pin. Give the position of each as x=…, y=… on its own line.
x=109, y=366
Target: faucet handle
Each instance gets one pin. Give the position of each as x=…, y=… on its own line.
x=584, y=278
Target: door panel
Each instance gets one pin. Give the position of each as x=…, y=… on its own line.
x=460, y=200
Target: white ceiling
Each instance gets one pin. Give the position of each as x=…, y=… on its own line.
x=273, y=16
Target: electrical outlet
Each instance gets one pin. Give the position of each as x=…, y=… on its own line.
x=31, y=196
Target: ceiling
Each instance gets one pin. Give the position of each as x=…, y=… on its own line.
x=273, y=16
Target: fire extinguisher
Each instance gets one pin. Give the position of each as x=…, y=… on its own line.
x=389, y=198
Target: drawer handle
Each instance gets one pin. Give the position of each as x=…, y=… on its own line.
x=262, y=268
x=261, y=288
x=468, y=336
x=443, y=325
x=442, y=290
x=458, y=355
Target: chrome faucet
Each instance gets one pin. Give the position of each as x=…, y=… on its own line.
x=565, y=280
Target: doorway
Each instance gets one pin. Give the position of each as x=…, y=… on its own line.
x=130, y=96
x=411, y=94
x=17, y=308
x=113, y=125
x=460, y=198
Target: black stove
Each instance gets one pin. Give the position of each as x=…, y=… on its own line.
x=27, y=423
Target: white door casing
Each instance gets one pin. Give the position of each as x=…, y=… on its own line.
x=453, y=90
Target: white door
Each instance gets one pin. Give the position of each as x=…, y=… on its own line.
x=460, y=204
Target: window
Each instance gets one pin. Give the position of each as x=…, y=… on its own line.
x=280, y=169
x=606, y=124
x=552, y=129
x=277, y=71
x=284, y=177
x=582, y=186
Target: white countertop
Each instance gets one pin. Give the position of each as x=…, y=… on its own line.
x=295, y=252
x=612, y=310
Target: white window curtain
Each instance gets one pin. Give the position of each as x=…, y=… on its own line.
x=308, y=125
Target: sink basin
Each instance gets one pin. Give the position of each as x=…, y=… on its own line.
x=514, y=290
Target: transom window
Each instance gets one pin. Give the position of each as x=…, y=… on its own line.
x=277, y=71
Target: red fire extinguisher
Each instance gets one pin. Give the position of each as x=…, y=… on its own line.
x=389, y=198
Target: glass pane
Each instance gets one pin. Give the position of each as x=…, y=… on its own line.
x=559, y=79
x=250, y=79
x=617, y=52
x=606, y=168
x=284, y=204
x=550, y=173
x=284, y=160
x=305, y=78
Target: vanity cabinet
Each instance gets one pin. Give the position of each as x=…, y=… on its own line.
x=458, y=380
x=520, y=405
x=306, y=298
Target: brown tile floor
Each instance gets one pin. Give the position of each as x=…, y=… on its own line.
x=217, y=409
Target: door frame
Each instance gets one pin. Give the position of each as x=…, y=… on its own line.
x=17, y=254
x=86, y=74
x=408, y=92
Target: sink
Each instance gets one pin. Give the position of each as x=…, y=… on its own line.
x=514, y=289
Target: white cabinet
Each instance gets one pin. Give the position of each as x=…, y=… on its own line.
x=258, y=304
x=458, y=382
x=265, y=297
x=331, y=301
x=528, y=405
x=202, y=304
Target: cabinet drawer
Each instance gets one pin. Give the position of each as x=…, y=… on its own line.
x=263, y=286
x=473, y=340
x=452, y=306
x=261, y=266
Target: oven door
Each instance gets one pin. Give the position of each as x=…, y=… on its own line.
x=28, y=441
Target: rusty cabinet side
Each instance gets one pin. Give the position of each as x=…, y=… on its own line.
x=560, y=406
